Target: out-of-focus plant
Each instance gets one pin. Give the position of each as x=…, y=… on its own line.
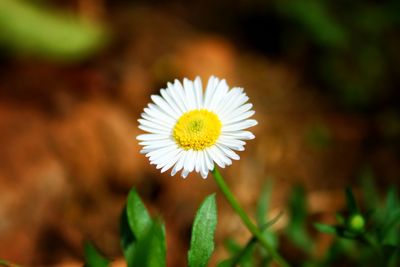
x=93, y=258
x=252, y=254
x=370, y=238
x=351, y=45
x=376, y=232
x=28, y=29
x=143, y=238
x=349, y=49
x=361, y=238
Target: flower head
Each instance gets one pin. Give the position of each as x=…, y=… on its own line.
x=191, y=130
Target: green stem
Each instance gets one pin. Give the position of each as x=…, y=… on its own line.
x=253, y=240
x=245, y=218
x=249, y=246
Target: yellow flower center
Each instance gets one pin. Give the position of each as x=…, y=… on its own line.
x=197, y=129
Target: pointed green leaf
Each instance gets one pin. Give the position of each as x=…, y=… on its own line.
x=390, y=228
x=127, y=238
x=392, y=201
x=296, y=230
x=225, y=263
x=351, y=201
x=263, y=203
x=202, y=241
x=324, y=228
x=93, y=258
x=272, y=221
x=150, y=250
x=232, y=246
x=138, y=218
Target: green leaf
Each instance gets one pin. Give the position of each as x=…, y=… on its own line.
x=351, y=201
x=390, y=228
x=93, y=258
x=324, y=228
x=296, y=229
x=392, y=201
x=150, y=250
x=263, y=203
x=138, y=218
x=272, y=221
x=28, y=29
x=232, y=246
x=134, y=224
x=225, y=263
x=202, y=241
x=127, y=238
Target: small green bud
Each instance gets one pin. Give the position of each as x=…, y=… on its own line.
x=357, y=223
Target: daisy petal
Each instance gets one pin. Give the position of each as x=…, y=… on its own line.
x=191, y=131
x=220, y=92
x=149, y=137
x=210, y=90
x=228, y=152
x=239, y=126
x=199, y=92
x=190, y=94
x=179, y=164
x=240, y=117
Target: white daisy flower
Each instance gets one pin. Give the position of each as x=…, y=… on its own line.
x=189, y=130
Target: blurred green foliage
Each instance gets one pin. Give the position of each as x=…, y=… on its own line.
x=93, y=258
x=352, y=46
x=251, y=254
x=28, y=29
x=142, y=238
x=314, y=17
x=363, y=238
x=367, y=234
x=375, y=233
x=348, y=49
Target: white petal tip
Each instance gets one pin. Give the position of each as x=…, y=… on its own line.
x=204, y=176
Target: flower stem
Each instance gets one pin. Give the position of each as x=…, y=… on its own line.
x=245, y=218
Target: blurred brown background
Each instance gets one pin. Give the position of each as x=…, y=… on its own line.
x=323, y=84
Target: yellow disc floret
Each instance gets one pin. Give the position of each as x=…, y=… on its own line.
x=197, y=129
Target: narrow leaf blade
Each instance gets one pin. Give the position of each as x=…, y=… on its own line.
x=93, y=258
x=351, y=201
x=150, y=251
x=127, y=238
x=138, y=217
x=263, y=203
x=324, y=228
x=202, y=241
